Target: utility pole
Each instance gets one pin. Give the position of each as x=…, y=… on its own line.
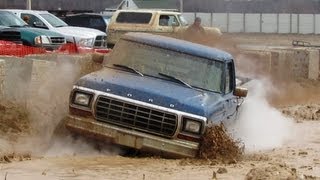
x=29, y=4
x=181, y=6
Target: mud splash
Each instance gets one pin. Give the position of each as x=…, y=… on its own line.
x=217, y=144
x=14, y=121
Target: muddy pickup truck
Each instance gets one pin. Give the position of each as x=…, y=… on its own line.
x=156, y=94
x=161, y=22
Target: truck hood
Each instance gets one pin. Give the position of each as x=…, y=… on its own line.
x=31, y=31
x=79, y=32
x=162, y=92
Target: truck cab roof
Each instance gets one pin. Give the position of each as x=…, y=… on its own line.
x=179, y=45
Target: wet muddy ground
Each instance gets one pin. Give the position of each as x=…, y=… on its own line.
x=299, y=157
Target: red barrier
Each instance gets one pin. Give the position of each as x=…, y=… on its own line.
x=74, y=49
x=13, y=49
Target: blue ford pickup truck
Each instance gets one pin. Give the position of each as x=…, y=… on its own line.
x=156, y=94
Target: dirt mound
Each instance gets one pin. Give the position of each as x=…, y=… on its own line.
x=272, y=172
x=14, y=120
x=217, y=144
x=303, y=112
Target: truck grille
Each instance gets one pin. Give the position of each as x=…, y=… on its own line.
x=134, y=116
x=58, y=40
x=12, y=36
x=100, y=41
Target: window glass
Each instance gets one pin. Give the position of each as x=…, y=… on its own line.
x=96, y=22
x=168, y=20
x=33, y=19
x=229, y=78
x=198, y=72
x=9, y=19
x=53, y=20
x=134, y=17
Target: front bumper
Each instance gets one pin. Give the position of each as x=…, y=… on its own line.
x=132, y=138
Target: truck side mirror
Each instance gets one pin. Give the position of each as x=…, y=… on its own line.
x=39, y=25
x=241, y=92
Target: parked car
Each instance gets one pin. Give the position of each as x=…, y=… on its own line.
x=83, y=36
x=150, y=21
x=15, y=30
x=89, y=20
x=153, y=97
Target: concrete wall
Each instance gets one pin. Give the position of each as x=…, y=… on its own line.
x=22, y=79
x=282, y=62
x=2, y=76
x=260, y=23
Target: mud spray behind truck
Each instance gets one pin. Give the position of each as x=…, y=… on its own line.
x=156, y=94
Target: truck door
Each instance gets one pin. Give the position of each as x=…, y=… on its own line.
x=230, y=100
x=167, y=24
x=33, y=21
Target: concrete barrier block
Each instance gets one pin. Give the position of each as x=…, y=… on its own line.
x=298, y=61
x=2, y=77
x=256, y=63
x=17, y=78
x=313, y=67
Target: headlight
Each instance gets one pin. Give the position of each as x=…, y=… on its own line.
x=82, y=99
x=41, y=40
x=191, y=126
x=86, y=42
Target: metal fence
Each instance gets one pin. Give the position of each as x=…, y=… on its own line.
x=260, y=23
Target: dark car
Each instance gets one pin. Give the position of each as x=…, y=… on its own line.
x=160, y=95
x=90, y=20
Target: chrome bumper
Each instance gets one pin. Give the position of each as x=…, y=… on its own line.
x=131, y=138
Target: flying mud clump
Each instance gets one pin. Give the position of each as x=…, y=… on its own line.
x=217, y=144
x=14, y=121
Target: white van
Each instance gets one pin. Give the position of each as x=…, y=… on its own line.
x=83, y=36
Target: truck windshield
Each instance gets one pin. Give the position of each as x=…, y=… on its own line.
x=152, y=61
x=53, y=20
x=10, y=20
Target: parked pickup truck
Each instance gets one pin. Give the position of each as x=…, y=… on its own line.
x=162, y=22
x=86, y=37
x=159, y=96
x=15, y=30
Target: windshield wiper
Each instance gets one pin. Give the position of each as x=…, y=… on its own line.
x=128, y=68
x=60, y=26
x=175, y=79
x=180, y=81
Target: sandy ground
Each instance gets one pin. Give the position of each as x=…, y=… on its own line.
x=301, y=152
x=286, y=128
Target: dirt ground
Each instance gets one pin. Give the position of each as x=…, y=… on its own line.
x=281, y=132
